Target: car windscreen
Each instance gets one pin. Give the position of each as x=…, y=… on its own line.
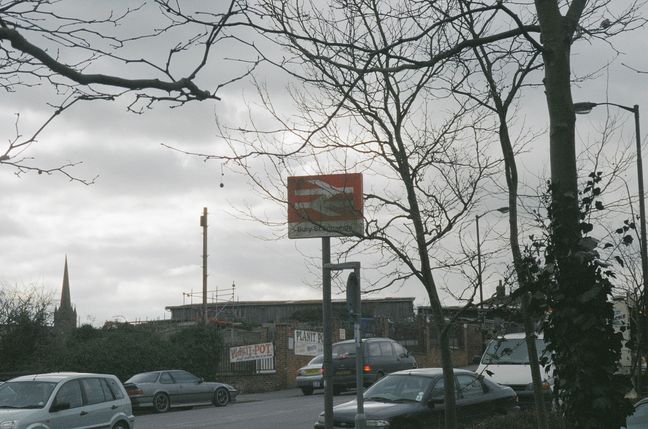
x=25, y=394
x=399, y=388
x=343, y=350
x=510, y=352
x=317, y=360
x=147, y=377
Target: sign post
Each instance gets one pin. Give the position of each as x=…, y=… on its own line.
x=326, y=206
x=354, y=306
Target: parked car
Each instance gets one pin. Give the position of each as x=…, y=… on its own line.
x=381, y=356
x=506, y=361
x=163, y=390
x=639, y=418
x=309, y=377
x=413, y=399
x=65, y=400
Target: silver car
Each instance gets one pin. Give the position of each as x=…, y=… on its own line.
x=65, y=401
x=162, y=390
x=309, y=377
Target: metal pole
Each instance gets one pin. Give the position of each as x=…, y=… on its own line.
x=642, y=205
x=203, y=223
x=328, y=343
x=360, y=419
x=642, y=217
x=479, y=281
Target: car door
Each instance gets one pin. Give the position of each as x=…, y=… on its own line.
x=67, y=410
x=191, y=388
x=472, y=398
x=169, y=385
x=99, y=407
x=404, y=359
x=435, y=406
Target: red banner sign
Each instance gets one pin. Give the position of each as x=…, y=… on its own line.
x=325, y=206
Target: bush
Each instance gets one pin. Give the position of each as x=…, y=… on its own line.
x=521, y=420
x=124, y=350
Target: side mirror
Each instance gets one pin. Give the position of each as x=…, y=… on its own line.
x=476, y=360
x=201, y=380
x=436, y=401
x=60, y=406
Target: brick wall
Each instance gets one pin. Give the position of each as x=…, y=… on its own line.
x=287, y=363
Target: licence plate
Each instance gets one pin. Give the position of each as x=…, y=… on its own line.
x=343, y=372
x=316, y=384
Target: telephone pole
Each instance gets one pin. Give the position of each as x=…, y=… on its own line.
x=203, y=224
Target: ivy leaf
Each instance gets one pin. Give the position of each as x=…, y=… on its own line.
x=586, y=227
x=608, y=245
x=627, y=239
x=599, y=205
x=619, y=260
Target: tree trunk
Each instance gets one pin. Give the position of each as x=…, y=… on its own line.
x=512, y=185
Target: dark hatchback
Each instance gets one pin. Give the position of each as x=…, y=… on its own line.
x=381, y=356
x=413, y=399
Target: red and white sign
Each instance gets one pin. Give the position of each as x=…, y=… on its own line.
x=325, y=206
x=251, y=352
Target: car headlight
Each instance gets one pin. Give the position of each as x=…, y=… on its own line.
x=320, y=419
x=545, y=386
x=377, y=423
x=8, y=424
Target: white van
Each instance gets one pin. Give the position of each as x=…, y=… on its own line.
x=506, y=361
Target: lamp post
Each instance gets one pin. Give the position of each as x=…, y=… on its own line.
x=586, y=107
x=479, y=267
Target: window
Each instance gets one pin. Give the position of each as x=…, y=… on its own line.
x=439, y=389
x=400, y=350
x=25, y=394
x=512, y=351
x=108, y=394
x=165, y=378
x=343, y=349
x=373, y=349
x=70, y=393
x=93, y=391
x=184, y=377
x=386, y=349
x=147, y=377
x=115, y=389
x=469, y=386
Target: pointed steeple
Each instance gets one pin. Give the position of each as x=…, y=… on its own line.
x=65, y=316
x=66, y=301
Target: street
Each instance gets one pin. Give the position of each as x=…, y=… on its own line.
x=286, y=409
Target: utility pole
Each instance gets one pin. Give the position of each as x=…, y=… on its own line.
x=203, y=224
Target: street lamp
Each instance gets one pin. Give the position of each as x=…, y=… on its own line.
x=479, y=265
x=586, y=107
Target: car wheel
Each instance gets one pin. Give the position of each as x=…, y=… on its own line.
x=221, y=397
x=120, y=425
x=307, y=390
x=161, y=403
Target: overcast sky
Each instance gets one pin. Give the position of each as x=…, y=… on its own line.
x=133, y=239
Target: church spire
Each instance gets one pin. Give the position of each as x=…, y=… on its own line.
x=66, y=301
x=65, y=317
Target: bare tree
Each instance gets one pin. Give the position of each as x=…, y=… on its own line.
x=434, y=37
x=65, y=47
x=429, y=151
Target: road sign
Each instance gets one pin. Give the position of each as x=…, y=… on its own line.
x=325, y=206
